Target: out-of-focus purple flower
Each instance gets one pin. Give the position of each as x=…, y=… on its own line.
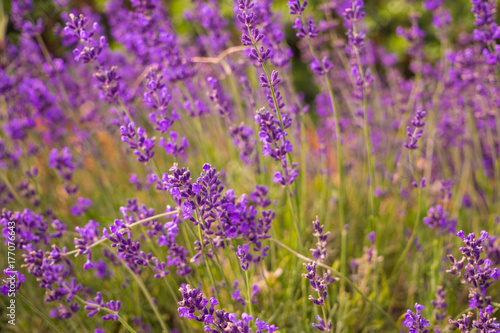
x=82, y=205
x=138, y=141
x=484, y=13
x=196, y=307
x=353, y=15
x=175, y=146
x=243, y=139
x=323, y=68
x=275, y=145
x=62, y=162
x=437, y=218
x=296, y=8
x=440, y=304
x=479, y=274
x=319, y=253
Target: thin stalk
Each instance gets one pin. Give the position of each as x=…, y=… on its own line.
x=412, y=237
x=249, y=294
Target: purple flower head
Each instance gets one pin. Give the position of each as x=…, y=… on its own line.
x=310, y=30
x=437, y=218
x=477, y=272
x=138, y=141
x=62, y=162
x=484, y=13
x=96, y=305
x=275, y=145
x=415, y=321
x=196, y=307
x=353, y=15
x=109, y=82
x=81, y=207
x=322, y=326
x=242, y=255
x=415, y=133
x=319, y=253
x=265, y=83
x=296, y=8
x=440, y=304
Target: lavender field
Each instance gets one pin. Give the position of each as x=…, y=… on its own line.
x=249, y=166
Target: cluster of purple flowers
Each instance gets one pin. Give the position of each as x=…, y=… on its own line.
x=195, y=307
x=205, y=205
x=437, y=218
x=479, y=275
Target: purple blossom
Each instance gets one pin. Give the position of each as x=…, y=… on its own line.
x=276, y=145
x=62, y=162
x=138, y=141
x=416, y=132
x=319, y=253
x=437, y=218
x=323, y=68
x=242, y=255
x=96, y=305
x=82, y=205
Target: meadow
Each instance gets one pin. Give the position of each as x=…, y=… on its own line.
x=249, y=166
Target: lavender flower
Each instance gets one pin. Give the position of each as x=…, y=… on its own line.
x=437, y=218
x=484, y=13
x=475, y=271
x=352, y=16
x=319, y=253
x=242, y=255
x=319, y=283
x=82, y=205
x=415, y=322
x=440, y=305
x=138, y=141
x=62, y=162
x=194, y=306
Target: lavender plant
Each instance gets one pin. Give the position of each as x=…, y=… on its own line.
x=159, y=161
